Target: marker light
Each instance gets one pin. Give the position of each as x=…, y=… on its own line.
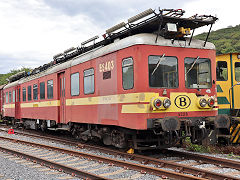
x=211, y=102
x=167, y=103
x=158, y=103
x=202, y=102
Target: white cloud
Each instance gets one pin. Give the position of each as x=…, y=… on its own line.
x=226, y=11
x=32, y=29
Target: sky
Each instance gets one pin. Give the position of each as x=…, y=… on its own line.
x=33, y=31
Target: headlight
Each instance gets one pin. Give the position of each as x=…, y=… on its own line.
x=211, y=102
x=167, y=103
x=157, y=103
x=202, y=102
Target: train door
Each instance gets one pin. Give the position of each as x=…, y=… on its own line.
x=223, y=83
x=62, y=97
x=17, y=103
x=236, y=82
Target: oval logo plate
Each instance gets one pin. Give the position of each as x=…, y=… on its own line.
x=182, y=101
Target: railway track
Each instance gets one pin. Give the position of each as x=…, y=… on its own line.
x=39, y=155
x=145, y=160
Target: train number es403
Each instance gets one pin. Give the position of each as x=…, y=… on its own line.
x=106, y=66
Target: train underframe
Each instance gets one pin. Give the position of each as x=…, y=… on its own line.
x=161, y=133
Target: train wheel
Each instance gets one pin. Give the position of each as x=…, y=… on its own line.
x=118, y=139
x=43, y=126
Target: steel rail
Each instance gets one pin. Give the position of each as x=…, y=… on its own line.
x=124, y=164
x=208, y=159
x=181, y=168
x=51, y=164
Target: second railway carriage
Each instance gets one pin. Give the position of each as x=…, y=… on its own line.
x=228, y=91
x=146, y=86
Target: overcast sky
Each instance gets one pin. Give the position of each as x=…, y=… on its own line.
x=33, y=31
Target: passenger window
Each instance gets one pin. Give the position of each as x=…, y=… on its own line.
x=163, y=71
x=13, y=96
x=42, y=90
x=50, y=89
x=35, y=92
x=127, y=74
x=29, y=93
x=222, y=72
x=89, y=81
x=16, y=97
x=24, y=94
x=75, y=84
x=237, y=71
x=10, y=96
x=6, y=97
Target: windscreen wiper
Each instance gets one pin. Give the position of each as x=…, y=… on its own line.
x=160, y=60
x=192, y=66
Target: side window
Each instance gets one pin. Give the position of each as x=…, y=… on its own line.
x=29, y=93
x=127, y=73
x=237, y=71
x=13, y=96
x=35, y=91
x=89, y=81
x=16, y=97
x=50, y=89
x=75, y=84
x=10, y=96
x=222, y=72
x=42, y=90
x=6, y=97
x=24, y=94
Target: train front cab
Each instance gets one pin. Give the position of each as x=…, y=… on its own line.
x=228, y=92
x=186, y=77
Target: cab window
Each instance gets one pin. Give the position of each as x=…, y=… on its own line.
x=197, y=73
x=222, y=73
x=127, y=73
x=237, y=71
x=163, y=71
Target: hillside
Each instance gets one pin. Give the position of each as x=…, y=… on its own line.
x=226, y=40
x=3, y=77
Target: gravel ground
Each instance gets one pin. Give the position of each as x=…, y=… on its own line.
x=11, y=169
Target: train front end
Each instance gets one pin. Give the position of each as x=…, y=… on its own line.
x=186, y=103
x=177, y=77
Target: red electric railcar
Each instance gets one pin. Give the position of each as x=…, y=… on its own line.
x=146, y=86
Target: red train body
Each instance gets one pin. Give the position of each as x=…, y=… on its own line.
x=135, y=92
